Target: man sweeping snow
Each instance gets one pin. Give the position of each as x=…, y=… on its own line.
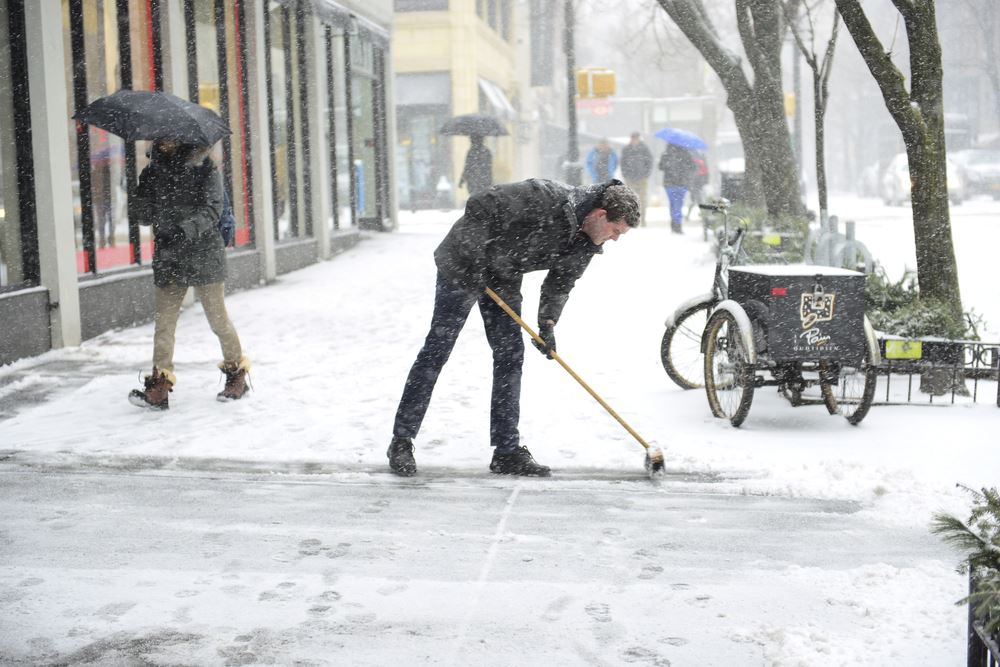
x=507, y=231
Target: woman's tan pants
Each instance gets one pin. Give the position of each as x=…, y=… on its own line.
x=168, y=307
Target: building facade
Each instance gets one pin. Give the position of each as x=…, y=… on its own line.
x=452, y=57
x=503, y=58
x=305, y=86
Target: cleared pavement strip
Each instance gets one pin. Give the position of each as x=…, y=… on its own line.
x=196, y=559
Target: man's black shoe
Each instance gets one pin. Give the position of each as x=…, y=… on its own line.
x=518, y=462
x=401, y=459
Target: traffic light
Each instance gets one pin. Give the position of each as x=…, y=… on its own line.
x=595, y=82
x=790, y=104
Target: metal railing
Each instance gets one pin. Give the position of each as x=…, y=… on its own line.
x=973, y=367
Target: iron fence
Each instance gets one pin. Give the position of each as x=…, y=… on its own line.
x=971, y=369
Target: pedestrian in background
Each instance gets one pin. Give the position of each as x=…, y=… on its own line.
x=637, y=165
x=698, y=183
x=478, y=171
x=180, y=194
x=534, y=225
x=602, y=161
x=678, y=172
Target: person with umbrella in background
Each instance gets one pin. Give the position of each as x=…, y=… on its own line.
x=478, y=171
x=679, y=169
x=181, y=195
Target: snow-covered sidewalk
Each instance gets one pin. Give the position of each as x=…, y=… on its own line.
x=331, y=345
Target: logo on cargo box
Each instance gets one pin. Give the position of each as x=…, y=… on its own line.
x=815, y=307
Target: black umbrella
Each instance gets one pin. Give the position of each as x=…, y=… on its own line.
x=151, y=114
x=473, y=124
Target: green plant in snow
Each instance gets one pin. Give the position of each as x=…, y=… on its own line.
x=898, y=309
x=979, y=539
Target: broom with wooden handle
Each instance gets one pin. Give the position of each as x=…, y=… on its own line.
x=654, y=455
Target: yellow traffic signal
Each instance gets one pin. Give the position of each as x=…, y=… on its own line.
x=789, y=104
x=595, y=82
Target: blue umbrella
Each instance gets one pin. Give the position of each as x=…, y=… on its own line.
x=682, y=138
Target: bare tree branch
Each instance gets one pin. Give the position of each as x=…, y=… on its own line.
x=890, y=80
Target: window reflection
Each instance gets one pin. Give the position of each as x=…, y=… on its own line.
x=363, y=103
x=344, y=217
x=99, y=63
x=10, y=234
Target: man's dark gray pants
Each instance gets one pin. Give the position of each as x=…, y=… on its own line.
x=452, y=305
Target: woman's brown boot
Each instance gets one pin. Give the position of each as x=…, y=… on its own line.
x=236, y=380
x=156, y=393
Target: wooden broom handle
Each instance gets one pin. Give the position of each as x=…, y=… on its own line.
x=517, y=318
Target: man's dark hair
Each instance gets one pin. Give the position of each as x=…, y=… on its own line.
x=621, y=204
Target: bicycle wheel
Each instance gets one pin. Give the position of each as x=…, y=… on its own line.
x=680, y=349
x=728, y=377
x=853, y=392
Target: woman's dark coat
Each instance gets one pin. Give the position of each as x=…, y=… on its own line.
x=183, y=202
x=509, y=230
x=678, y=167
x=478, y=172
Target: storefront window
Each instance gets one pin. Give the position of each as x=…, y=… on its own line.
x=215, y=70
x=284, y=82
x=18, y=237
x=343, y=219
x=10, y=238
x=91, y=37
x=238, y=176
x=363, y=103
x=207, y=54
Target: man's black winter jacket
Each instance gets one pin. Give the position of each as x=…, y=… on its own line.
x=509, y=230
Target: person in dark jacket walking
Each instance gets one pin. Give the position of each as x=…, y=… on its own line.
x=678, y=172
x=637, y=165
x=478, y=171
x=507, y=231
x=180, y=194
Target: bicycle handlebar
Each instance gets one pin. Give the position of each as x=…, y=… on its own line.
x=720, y=204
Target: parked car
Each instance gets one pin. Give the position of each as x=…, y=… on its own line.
x=895, y=184
x=980, y=171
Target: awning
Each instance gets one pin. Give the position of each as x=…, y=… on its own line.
x=331, y=13
x=497, y=99
x=372, y=32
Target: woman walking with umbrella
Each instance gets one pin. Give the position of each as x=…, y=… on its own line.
x=678, y=169
x=477, y=174
x=478, y=171
x=180, y=194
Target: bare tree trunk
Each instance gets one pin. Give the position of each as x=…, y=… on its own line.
x=919, y=113
x=819, y=111
x=758, y=109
